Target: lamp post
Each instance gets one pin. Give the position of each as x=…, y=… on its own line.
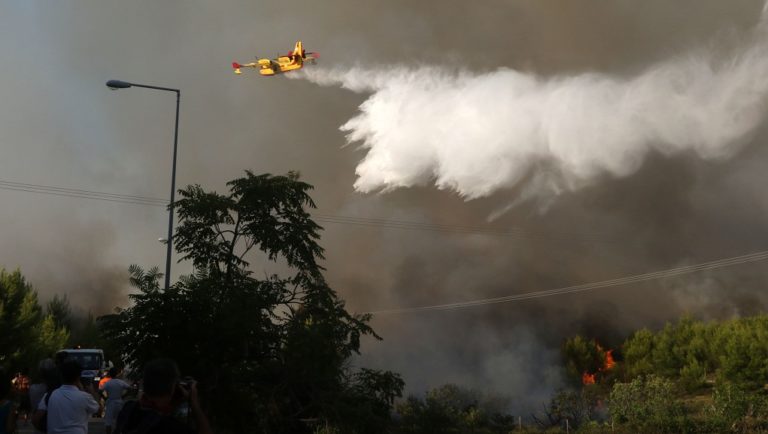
x=117, y=84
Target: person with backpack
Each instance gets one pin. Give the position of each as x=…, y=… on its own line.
x=46, y=380
x=51, y=378
x=69, y=408
x=157, y=411
x=46, y=369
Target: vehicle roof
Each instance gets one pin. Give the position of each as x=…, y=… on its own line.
x=80, y=350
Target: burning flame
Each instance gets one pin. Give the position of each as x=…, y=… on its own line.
x=608, y=364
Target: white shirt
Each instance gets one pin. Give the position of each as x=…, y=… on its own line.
x=114, y=389
x=69, y=409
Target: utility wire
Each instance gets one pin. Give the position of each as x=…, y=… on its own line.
x=399, y=224
x=326, y=218
x=83, y=194
x=672, y=272
x=77, y=191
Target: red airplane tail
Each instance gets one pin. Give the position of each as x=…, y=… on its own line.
x=236, y=66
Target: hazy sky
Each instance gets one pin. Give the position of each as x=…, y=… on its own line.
x=60, y=125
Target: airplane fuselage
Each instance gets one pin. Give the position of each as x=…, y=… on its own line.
x=281, y=64
x=290, y=62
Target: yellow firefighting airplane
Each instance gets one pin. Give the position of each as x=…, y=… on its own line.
x=293, y=60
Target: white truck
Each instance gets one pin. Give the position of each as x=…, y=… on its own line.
x=90, y=359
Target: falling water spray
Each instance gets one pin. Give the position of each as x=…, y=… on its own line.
x=477, y=133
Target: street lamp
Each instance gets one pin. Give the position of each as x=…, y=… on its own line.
x=117, y=84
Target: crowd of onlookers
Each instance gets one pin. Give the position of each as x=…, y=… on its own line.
x=57, y=400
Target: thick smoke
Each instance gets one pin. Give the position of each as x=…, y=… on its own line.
x=59, y=125
x=479, y=133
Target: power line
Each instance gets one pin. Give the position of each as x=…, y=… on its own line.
x=77, y=191
x=721, y=263
x=517, y=233
x=82, y=194
x=400, y=224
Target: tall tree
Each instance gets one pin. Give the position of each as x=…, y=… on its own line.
x=27, y=335
x=275, y=349
x=20, y=315
x=60, y=310
x=582, y=357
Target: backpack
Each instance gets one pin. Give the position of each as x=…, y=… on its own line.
x=42, y=423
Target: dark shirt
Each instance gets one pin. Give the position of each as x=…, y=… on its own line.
x=5, y=413
x=136, y=419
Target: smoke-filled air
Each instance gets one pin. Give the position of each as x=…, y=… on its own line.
x=477, y=133
x=493, y=179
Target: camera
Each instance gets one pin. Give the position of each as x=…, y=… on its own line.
x=186, y=382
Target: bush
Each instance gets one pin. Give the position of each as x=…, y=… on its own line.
x=735, y=409
x=693, y=376
x=647, y=405
x=452, y=409
x=575, y=407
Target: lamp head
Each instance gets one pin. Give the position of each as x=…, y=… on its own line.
x=117, y=84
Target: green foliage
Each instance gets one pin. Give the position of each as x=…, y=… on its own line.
x=730, y=406
x=327, y=429
x=648, y=405
x=736, y=409
x=82, y=331
x=679, y=350
x=668, y=377
x=576, y=407
x=638, y=360
x=452, y=409
x=428, y=416
x=27, y=334
x=367, y=402
x=582, y=355
x=693, y=375
x=270, y=354
x=689, y=351
x=61, y=312
x=741, y=347
x=50, y=338
x=20, y=315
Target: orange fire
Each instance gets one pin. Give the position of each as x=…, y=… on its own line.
x=608, y=364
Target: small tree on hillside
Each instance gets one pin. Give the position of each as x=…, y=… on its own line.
x=582, y=356
x=647, y=405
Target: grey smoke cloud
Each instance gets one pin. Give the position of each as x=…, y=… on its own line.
x=59, y=125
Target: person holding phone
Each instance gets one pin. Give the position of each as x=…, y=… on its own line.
x=70, y=406
x=156, y=410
